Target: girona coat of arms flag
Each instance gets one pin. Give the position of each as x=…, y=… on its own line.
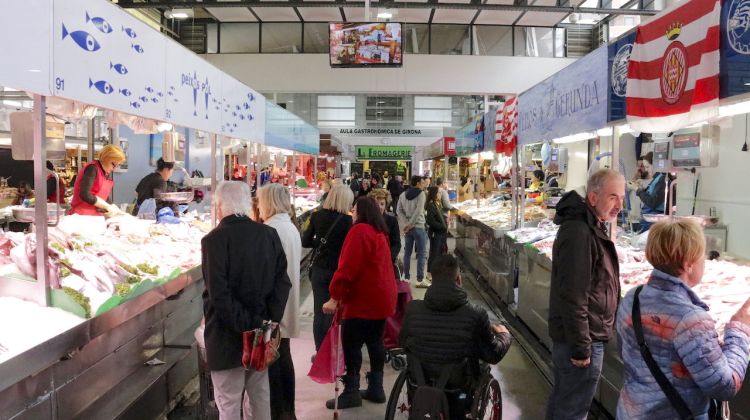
x=506, y=127
x=673, y=74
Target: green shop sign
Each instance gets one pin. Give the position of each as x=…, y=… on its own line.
x=384, y=153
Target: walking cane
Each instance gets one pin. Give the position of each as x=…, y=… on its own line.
x=336, y=372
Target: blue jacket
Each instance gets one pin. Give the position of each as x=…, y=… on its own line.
x=683, y=340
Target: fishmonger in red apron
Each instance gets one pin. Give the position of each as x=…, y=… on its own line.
x=94, y=184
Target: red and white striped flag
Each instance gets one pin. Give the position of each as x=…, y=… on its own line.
x=507, y=127
x=673, y=75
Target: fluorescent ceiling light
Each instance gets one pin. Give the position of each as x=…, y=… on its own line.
x=385, y=15
x=734, y=109
x=179, y=13
x=35, y=70
x=574, y=138
x=606, y=131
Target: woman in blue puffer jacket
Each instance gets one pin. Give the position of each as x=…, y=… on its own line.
x=679, y=332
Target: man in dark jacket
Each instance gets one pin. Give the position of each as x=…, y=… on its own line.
x=445, y=329
x=244, y=267
x=395, y=187
x=584, y=293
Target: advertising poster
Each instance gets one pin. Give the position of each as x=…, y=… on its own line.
x=365, y=44
x=618, y=58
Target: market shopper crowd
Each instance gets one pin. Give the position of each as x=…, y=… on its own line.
x=674, y=361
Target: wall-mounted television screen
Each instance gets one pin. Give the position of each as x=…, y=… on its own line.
x=365, y=44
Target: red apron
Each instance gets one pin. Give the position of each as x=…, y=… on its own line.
x=52, y=196
x=102, y=188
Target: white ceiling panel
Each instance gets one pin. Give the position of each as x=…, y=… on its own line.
x=453, y=16
x=545, y=3
x=454, y=1
x=232, y=14
x=541, y=19
x=276, y=14
x=413, y=1
x=499, y=1
x=320, y=14
x=412, y=15
x=497, y=17
x=357, y=14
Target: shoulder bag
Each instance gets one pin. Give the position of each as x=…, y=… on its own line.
x=718, y=410
x=323, y=242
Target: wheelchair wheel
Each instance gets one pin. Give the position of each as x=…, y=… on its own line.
x=488, y=401
x=398, y=402
x=398, y=362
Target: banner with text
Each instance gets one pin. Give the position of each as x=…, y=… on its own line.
x=384, y=153
x=573, y=100
x=383, y=132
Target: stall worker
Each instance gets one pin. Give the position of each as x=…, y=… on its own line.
x=154, y=183
x=94, y=184
x=53, y=187
x=653, y=195
x=25, y=192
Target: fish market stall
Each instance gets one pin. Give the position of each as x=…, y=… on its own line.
x=100, y=314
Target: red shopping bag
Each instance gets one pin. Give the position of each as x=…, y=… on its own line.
x=329, y=361
x=260, y=346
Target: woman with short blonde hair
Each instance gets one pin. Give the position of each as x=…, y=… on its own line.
x=678, y=332
x=340, y=199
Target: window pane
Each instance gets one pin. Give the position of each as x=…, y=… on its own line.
x=336, y=114
x=432, y=115
x=416, y=38
x=316, y=38
x=334, y=101
x=281, y=38
x=212, y=38
x=545, y=42
x=239, y=37
x=433, y=102
x=494, y=40
x=535, y=42
x=450, y=39
x=559, y=42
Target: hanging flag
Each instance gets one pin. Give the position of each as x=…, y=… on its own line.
x=507, y=128
x=673, y=75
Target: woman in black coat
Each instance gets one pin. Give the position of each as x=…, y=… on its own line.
x=437, y=227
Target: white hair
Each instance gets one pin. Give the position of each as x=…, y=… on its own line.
x=597, y=180
x=274, y=199
x=233, y=197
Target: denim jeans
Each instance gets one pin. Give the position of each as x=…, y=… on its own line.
x=574, y=387
x=416, y=237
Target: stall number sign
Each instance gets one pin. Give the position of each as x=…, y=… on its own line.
x=383, y=153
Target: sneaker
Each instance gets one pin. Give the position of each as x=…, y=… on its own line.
x=429, y=277
x=422, y=285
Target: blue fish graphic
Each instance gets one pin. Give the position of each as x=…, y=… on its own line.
x=135, y=104
x=234, y=114
x=237, y=107
x=249, y=117
x=213, y=100
x=129, y=32
x=143, y=99
x=100, y=23
x=246, y=106
x=125, y=92
x=149, y=89
x=161, y=95
x=251, y=97
x=155, y=100
x=171, y=88
x=217, y=108
x=137, y=48
x=234, y=125
x=170, y=93
x=82, y=38
x=118, y=68
x=102, y=86
x=242, y=117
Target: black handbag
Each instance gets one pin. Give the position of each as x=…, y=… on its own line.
x=718, y=410
x=316, y=251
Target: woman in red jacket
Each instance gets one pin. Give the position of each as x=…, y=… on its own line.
x=364, y=288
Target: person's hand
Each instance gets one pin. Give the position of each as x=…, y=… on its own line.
x=330, y=306
x=408, y=227
x=581, y=363
x=499, y=329
x=112, y=211
x=743, y=314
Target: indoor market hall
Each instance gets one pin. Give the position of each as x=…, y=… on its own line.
x=393, y=209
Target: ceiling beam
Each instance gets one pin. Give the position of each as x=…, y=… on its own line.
x=254, y=14
x=129, y=4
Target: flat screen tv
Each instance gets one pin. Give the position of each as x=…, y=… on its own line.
x=374, y=44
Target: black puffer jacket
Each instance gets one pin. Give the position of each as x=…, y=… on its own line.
x=585, y=286
x=320, y=222
x=445, y=328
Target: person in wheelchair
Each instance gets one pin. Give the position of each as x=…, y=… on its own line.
x=445, y=329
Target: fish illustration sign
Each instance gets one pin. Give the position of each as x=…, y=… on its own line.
x=735, y=48
x=618, y=60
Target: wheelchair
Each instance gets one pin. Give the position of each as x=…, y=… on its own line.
x=482, y=398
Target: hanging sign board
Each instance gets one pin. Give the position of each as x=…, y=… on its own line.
x=384, y=153
x=243, y=110
x=573, y=100
x=618, y=53
x=25, y=44
x=384, y=132
x=734, y=73
x=434, y=150
x=470, y=138
x=105, y=57
x=287, y=131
